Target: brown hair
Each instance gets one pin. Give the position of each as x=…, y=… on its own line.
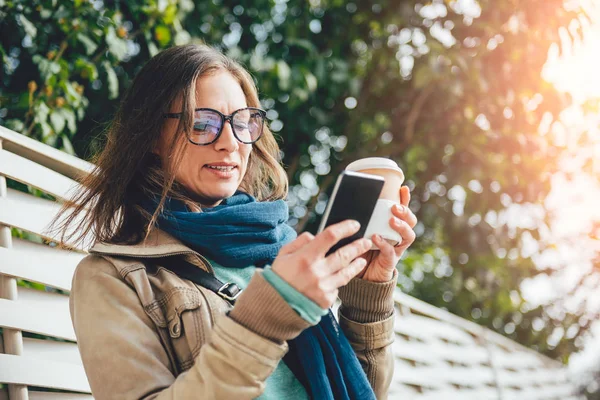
x=109, y=205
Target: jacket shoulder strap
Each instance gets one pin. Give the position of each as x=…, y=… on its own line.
x=180, y=267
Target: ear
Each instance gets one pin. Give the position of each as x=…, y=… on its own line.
x=160, y=145
x=156, y=150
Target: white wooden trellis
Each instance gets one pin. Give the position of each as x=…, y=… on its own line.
x=437, y=355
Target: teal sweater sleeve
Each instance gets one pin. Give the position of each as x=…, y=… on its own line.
x=305, y=307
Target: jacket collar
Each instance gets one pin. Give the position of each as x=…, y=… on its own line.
x=157, y=244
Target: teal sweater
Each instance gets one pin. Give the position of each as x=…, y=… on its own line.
x=281, y=384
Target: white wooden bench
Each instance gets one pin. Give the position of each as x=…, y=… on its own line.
x=442, y=356
x=30, y=365
x=438, y=355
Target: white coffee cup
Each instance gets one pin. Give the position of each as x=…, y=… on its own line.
x=390, y=195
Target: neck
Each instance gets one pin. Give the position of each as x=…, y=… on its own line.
x=206, y=202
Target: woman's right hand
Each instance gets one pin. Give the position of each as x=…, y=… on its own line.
x=303, y=264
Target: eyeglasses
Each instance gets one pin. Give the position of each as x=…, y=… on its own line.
x=246, y=123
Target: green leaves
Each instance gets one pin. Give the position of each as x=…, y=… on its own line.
x=42, y=112
x=340, y=71
x=66, y=145
x=29, y=28
x=162, y=34
x=311, y=81
x=46, y=67
x=116, y=45
x=283, y=74
x=69, y=116
x=87, y=70
x=15, y=125
x=90, y=45
x=113, y=81
x=61, y=118
x=57, y=120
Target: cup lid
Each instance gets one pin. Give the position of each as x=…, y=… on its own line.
x=373, y=163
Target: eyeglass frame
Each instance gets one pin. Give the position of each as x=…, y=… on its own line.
x=224, y=119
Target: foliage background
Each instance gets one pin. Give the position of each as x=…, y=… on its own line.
x=451, y=90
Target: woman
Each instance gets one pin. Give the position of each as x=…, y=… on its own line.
x=185, y=181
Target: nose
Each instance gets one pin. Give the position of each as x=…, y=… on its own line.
x=227, y=140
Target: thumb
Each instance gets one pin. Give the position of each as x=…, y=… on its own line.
x=387, y=254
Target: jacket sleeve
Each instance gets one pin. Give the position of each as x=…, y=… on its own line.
x=124, y=357
x=367, y=318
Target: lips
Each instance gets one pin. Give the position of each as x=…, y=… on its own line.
x=221, y=166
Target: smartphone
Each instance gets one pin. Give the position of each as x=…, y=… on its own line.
x=354, y=197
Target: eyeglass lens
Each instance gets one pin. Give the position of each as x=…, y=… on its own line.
x=247, y=125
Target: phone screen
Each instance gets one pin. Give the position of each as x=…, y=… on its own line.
x=354, y=197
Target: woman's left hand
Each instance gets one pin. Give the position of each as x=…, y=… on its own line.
x=381, y=263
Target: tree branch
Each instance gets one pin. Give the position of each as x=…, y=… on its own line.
x=415, y=112
x=293, y=167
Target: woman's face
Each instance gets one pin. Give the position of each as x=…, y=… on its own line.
x=198, y=171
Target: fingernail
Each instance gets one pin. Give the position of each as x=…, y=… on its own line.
x=368, y=243
x=355, y=224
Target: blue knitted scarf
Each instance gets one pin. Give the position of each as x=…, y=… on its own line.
x=241, y=232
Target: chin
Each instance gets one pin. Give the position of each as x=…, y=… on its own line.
x=215, y=196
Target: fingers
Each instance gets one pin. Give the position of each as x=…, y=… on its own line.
x=337, y=270
x=405, y=231
x=344, y=256
x=405, y=196
x=344, y=275
x=387, y=252
x=303, y=265
x=298, y=243
x=331, y=235
x=405, y=214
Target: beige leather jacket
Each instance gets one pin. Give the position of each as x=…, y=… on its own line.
x=145, y=333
